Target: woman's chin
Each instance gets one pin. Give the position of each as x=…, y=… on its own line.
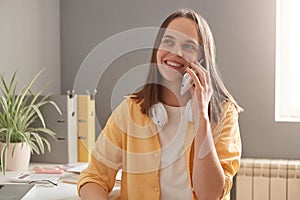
x=170, y=74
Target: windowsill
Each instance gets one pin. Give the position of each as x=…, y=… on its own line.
x=287, y=119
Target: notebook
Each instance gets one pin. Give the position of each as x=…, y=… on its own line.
x=14, y=191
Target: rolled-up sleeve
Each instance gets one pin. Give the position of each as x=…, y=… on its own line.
x=106, y=158
x=228, y=146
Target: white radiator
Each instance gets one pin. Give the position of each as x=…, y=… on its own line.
x=265, y=179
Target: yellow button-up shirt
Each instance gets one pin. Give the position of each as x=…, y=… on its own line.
x=130, y=142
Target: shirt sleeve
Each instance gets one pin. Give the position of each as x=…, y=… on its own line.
x=106, y=158
x=228, y=146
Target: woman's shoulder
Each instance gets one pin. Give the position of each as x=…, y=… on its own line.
x=129, y=108
x=129, y=111
x=227, y=119
x=229, y=110
x=129, y=104
x=229, y=106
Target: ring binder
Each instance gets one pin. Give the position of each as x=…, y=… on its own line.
x=86, y=126
x=64, y=149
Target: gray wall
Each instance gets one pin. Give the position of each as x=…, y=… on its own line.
x=30, y=42
x=244, y=32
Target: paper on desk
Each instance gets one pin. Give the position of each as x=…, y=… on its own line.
x=27, y=178
x=78, y=168
x=81, y=167
x=71, y=178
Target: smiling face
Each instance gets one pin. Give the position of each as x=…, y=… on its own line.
x=179, y=47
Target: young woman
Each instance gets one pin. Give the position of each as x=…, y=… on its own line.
x=171, y=144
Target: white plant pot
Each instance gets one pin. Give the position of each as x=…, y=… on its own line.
x=20, y=159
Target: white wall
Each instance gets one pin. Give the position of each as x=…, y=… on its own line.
x=30, y=41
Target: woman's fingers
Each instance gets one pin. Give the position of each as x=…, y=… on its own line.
x=202, y=74
x=196, y=81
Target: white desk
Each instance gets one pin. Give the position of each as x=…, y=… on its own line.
x=63, y=191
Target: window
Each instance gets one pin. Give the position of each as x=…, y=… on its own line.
x=287, y=99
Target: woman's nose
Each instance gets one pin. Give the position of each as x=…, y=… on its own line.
x=179, y=53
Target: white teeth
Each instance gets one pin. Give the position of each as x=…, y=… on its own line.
x=173, y=64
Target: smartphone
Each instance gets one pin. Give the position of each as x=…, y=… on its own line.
x=186, y=82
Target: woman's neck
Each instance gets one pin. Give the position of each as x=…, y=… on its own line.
x=170, y=94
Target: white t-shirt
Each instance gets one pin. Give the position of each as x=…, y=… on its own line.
x=174, y=180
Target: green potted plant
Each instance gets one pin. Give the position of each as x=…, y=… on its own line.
x=19, y=132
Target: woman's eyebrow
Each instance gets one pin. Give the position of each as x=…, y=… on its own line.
x=192, y=42
x=187, y=41
x=169, y=36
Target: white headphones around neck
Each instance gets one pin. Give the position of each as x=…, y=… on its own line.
x=159, y=115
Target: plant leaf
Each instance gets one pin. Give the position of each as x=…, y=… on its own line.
x=18, y=114
x=39, y=141
x=3, y=159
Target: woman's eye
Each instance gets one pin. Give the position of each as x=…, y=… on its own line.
x=189, y=47
x=168, y=42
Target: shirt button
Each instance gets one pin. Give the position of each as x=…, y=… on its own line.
x=156, y=190
x=155, y=155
